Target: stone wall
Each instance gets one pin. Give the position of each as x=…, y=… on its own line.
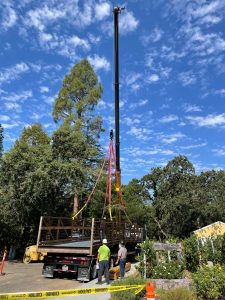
x=166, y=284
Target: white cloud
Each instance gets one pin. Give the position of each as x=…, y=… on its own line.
x=110, y=121
x=210, y=19
x=136, y=151
x=13, y=106
x=153, y=37
x=127, y=23
x=9, y=137
x=8, y=15
x=153, y=78
x=130, y=121
x=207, y=9
x=139, y=103
x=42, y=16
x=194, y=146
x=220, y=92
x=11, y=125
x=131, y=78
x=4, y=118
x=94, y=39
x=208, y=121
x=168, y=119
x=49, y=99
x=206, y=44
x=78, y=42
x=44, y=89
x=191, y=108
x=12, y=73
x=45, y=37
x=15, y=97
x=202, y=42
x=187, y=78
x=140, y=133
x=102, y=10
x=37, y=116
x=122, y=103
x=79, y=14
x=63, y=45
x=102, y=104
x=99, y=62
x=171, y=138
x=220, y=151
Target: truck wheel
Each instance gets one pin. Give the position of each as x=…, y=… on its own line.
x=26, y=259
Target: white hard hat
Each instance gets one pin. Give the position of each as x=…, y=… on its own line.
x=104, y=241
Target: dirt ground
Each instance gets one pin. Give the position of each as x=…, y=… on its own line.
x=20, y=277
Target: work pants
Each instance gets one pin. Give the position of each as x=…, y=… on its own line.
x=103, y=267
x=122, y=267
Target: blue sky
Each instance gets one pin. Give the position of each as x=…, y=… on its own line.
x=172, y=73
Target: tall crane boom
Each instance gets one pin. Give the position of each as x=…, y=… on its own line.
x=117, y=10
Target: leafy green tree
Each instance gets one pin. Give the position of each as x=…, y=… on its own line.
x=134, y=201
x=152, y=182
x=171, y=193
x=30, y=186
x=138, y=209
x=210, y=195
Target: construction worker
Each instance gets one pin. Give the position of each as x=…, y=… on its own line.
x=103, y=260
x=122, y=258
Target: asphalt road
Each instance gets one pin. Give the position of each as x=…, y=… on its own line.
x=20, y=277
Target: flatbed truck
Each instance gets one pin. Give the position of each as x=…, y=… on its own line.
x=72, y=245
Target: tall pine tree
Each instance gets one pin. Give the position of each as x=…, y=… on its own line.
x=76, y=142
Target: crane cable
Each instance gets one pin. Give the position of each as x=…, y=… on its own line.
x=92, y=192
x=109, y=184
x=112, y=160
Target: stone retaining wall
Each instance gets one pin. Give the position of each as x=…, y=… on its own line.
x=166, y=284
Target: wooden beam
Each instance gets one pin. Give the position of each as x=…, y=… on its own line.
x=39, y=231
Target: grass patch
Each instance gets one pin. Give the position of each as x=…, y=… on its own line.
x=128, y=295
x=180, y=293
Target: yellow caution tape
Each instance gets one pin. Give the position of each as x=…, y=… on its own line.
x=75, y=292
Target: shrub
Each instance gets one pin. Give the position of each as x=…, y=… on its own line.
x=168, y=270
x=180, y=293
x=128, y=295
x=191, y=253
x=147, y=249
x=209, y=282
x=197, y=253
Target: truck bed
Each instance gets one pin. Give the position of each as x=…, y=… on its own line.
x=63, y=235
x=76, y=247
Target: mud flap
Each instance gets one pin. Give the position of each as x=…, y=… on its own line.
x=48, y=271
x=83, y=274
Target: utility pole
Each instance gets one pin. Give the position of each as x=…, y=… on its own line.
x=117, y=10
